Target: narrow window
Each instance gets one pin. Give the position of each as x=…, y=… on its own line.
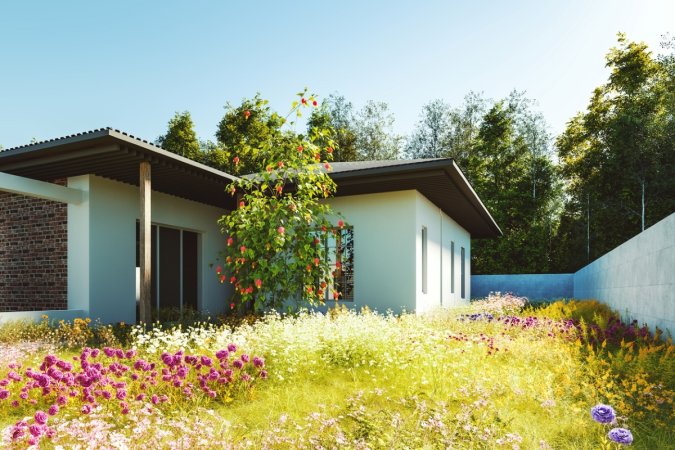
x=452, y=267
x=424, y=260
x=463, y=281
x=340, y=255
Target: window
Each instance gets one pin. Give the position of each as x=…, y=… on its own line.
x=174, y=267
x=463, y=281
x=424, y=260
x=452, y=267
x=340, y=256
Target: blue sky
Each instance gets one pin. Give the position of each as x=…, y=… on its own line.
x=72, y=66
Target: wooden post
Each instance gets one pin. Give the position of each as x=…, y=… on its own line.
x=145, y=241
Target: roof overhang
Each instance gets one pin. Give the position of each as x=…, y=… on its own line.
x=116, y=155
x=439, y=180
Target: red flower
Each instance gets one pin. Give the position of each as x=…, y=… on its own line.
x=304, y=102
x=316, y=261
x=281, y=230
x=230, y=241
x=219, y=270
x=268, y=169
x=314, y=103
x=280, y=164
x=249, y=290
x=310, y=289
x=258, y=283
x=300, y=148
x=233, y=280
x=235, y=160
x=323, y=284
x=319, y=292
x=222, y=278
x=247, y=114
x=338, y=264
x=341, y=223
x=242, y=248
x=336, y=295
x=316, y=241
x=329, y=150
x=279, y=188
x=232, y=305
x=323, y=228
x=229, y=258
x=317, y=157
x=241, y=204
x=309, y=267
x=327, y=166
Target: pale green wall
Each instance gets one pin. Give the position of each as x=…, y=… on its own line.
x=441, y=231
x=102, y=253
x=384, y=248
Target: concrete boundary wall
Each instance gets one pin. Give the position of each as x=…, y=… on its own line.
x=533, y=286
x=637, y=279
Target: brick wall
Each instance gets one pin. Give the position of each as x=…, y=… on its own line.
x=33, y=253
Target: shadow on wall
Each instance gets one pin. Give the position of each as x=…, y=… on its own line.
x=637, y=279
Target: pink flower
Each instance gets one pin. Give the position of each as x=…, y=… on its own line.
x=86, y=409
x=35, y=430
x=242, y=248
x=258, y=283
x=235, y=160
x=40, y=417
x=281, y=230
x=4, y=394
x=229, y=242
x=53, y=410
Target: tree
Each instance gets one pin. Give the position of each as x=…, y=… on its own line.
x=617, y=156
x=336, y=114
x=510, y=142
x=180, y=137
x=431, y=136
x=243, y=132
x=374, y=130
x=446, y=132
x=275, y=236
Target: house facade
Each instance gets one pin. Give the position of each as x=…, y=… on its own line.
x=72, y=216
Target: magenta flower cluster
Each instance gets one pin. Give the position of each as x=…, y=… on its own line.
x=116, y=378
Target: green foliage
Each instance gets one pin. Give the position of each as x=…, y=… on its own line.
x=180, y=137
x=511, y=170
x=336, y=114
x=374, y=130
x=618, y=156
x=275, y=235
x=245, y=131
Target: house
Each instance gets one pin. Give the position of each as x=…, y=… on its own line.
x=73, y=212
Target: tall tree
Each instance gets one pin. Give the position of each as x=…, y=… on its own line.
x=242, y=132
x=500, y=167
x=180, y=137
x=336, y=115
x=431, y=137
x=618, y=155
x=375, y=136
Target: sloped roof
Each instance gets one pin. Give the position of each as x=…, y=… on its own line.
x=113, y=154
x=439, y=179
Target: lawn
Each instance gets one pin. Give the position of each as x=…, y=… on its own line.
x=496, y=374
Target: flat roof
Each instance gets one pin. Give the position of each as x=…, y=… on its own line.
x=113, y=154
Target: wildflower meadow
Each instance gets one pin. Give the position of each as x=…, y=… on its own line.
x=497, y=374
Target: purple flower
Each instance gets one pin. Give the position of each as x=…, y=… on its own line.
x=4, y=394
x=222, y=354
x=238, y=364
x=40, y=417
x=263, y=374
x=620, y=436
x=258, y=362
x=245, y=358
x=232, y=348
x=603, y=413
x=17, y=433
x=35, y=430
x=53, y=410
x=86, y=409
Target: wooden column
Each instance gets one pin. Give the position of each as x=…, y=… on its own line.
x=145, y=241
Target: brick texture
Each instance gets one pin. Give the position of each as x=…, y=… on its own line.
x=33, y=253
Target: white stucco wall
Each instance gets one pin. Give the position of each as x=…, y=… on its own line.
x=384, y=248
x=102, y=247
x=441, y=232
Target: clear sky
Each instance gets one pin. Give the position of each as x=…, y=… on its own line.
x=71, y=66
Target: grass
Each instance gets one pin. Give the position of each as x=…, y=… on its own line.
x=489, y=376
